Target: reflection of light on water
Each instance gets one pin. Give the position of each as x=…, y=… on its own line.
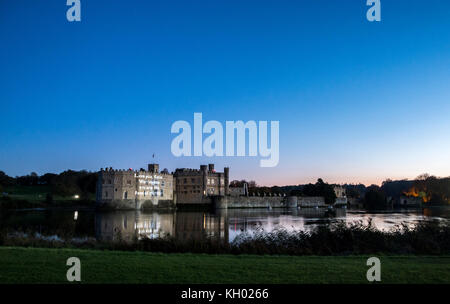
x=309, y=220
x=148, y=228
x=225, y=224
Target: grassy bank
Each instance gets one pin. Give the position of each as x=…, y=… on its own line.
x=10, y=203
x=24, y=197
x=38, y=265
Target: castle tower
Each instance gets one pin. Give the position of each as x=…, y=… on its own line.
x=204, y=171
x=226, y=171
x=153, y=168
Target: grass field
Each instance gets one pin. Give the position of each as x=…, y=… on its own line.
x=35, y=265
x=24, y=197
x=34, y=193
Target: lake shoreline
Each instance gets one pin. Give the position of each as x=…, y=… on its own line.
x=338, y=239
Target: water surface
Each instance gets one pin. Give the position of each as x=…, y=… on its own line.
x=223, y=224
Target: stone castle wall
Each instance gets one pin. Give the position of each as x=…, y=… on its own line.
x=128, y=189
x=256, y=202
x=311, y=201
x=230, y=202
x=122, y=204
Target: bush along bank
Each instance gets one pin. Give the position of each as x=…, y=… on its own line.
x=426, y=238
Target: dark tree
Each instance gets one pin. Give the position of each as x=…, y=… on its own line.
x=49, y=198
x=396, y=188
x=374, y=198
x=320, y=188
x=6, y=180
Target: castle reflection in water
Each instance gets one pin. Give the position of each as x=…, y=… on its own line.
x=222, y=225
x=129, y=225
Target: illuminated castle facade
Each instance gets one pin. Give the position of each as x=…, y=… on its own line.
x=130, y=189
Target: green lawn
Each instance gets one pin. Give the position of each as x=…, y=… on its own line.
x=30, y=193
x=35, y=193
x=23, y=197
x=36, y=265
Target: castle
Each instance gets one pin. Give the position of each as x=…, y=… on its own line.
x=130, y=189
x=148, y=189
x=193, y=186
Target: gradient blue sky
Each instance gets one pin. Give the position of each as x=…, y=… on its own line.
x=357, y=101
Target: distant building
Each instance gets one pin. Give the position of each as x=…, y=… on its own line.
x=339, y=191
x=341, y=197
x=409, y=201
x=192, y=186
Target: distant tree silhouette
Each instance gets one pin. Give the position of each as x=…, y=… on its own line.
x=320, y=188
x=374, y=198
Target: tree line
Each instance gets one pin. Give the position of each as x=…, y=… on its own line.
x=430, y=189
x=67, y=183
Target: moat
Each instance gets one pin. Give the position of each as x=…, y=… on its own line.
x=222, y=224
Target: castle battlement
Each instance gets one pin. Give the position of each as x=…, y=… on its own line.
x=132, y=189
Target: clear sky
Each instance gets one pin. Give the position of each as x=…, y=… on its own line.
x=356, y=101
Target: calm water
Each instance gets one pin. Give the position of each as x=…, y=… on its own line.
x=224, y=224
